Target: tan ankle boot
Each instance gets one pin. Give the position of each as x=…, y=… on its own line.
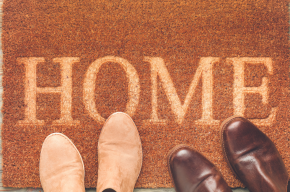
x=61, y=167
x=119, y=154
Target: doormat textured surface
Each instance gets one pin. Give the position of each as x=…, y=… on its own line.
x=179, y=68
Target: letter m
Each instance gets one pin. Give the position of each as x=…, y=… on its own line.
x=204, y=70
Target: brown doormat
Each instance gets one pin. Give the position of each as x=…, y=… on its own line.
x=178, y=67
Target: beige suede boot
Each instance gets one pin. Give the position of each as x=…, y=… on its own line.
x=61, y=166
x=119, y=154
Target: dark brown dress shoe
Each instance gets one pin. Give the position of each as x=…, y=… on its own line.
x=253, y=157
x=192, y=172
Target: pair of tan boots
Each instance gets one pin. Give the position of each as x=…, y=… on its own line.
x=119, y=159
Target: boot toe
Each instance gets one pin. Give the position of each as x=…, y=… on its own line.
x=192, y=172
x=119, y=154
x=61, y=167
x=252, y=156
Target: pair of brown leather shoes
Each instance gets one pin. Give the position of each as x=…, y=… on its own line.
x=119, y=159
x=251, y=155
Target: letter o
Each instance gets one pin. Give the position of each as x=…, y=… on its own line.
x=90, y=80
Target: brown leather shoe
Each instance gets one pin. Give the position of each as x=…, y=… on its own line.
x=61, y=167
x=119, y=154
x=192, y=172
x=253, y=157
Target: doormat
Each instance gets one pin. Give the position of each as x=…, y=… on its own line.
x=177, y=67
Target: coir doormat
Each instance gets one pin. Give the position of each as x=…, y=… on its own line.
x=178, y=67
